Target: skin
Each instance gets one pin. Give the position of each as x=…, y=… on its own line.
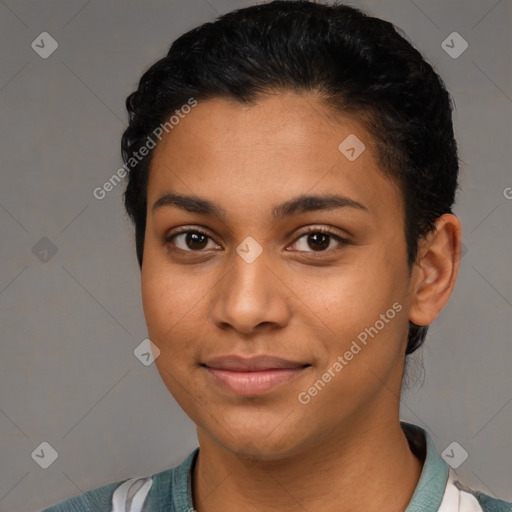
x=271, y=452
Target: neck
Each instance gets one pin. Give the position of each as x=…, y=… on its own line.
x=342, y=474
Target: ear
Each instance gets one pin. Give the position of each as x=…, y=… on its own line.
x=435, y=270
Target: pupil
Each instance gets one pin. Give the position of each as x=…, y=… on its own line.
x=193, y=238
x=315, y=239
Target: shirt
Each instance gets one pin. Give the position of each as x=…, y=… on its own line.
x=438, y=489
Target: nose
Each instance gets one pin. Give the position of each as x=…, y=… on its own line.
x=252, y=296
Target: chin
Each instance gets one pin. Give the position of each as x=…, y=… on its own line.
x=256, y=439
x=259, y=449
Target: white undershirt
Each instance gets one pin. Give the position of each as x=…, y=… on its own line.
x=130, y=496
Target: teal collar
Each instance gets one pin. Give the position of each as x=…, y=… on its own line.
x=429, y=492
x=427, y=496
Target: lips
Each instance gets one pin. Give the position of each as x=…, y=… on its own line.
x=252, y=376
x=254, y=364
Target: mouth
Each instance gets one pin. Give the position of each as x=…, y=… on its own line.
x=252, y=376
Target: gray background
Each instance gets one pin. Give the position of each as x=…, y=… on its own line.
x=69, y=325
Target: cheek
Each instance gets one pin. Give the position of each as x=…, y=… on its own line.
x=354, y=295
x=166, y=297
x=174, y=300
x=167, y=305
x=158, y=305
x=366, y=304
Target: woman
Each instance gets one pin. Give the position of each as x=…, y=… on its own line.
x=291, y=173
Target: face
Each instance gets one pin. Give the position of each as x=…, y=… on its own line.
x=282, y=322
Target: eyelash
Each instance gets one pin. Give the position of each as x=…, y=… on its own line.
x=311, y=229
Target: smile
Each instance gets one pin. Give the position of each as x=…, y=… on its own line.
x=252, y=377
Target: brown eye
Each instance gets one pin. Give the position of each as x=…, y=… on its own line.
x=191, y=240
x=320, y=240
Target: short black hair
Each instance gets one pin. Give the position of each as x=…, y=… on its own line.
x=358, y=64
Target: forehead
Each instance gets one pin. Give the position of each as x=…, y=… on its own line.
x=281, y=146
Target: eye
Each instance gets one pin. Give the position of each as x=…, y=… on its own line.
x=190, y=240
x=319, y=240
x=316, y=238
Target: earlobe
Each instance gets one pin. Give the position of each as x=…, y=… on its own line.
x=436, y=270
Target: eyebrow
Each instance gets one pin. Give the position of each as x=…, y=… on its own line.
x=300, y=204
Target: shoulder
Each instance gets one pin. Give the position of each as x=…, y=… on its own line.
x=487, y=503
x=439, y=487
x=114, y=497
x=161, y=491
x=95, y=500
x=459, y=498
